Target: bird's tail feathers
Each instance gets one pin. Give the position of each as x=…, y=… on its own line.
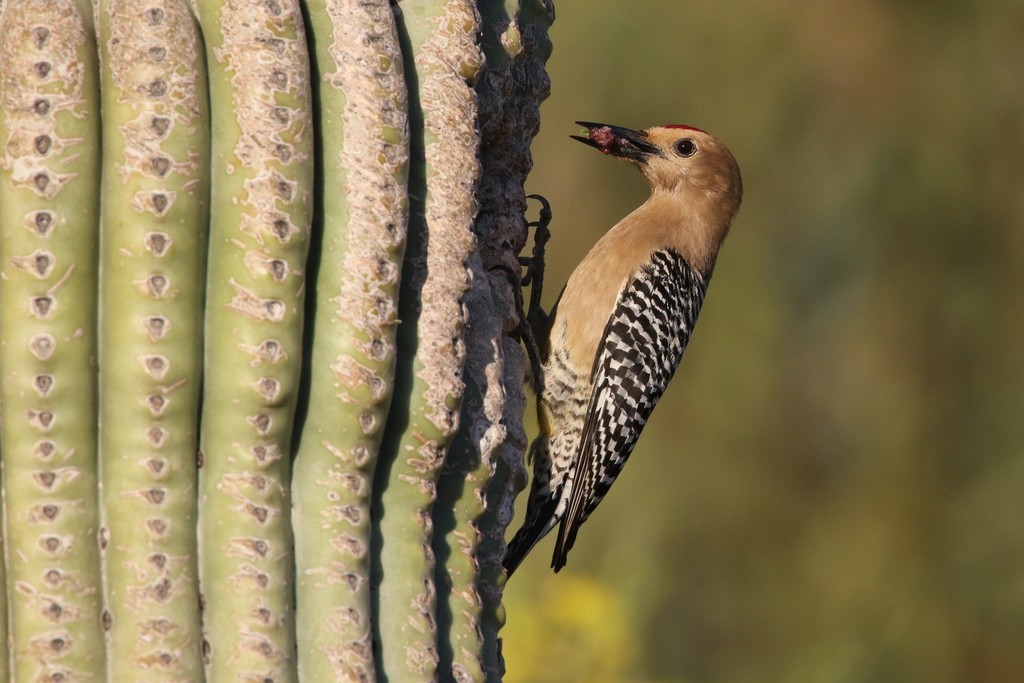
x=540, y=520
x=568, y=527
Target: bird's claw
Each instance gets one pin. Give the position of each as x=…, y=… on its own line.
x=533, y=320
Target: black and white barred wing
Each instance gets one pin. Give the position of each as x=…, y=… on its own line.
x=639, y=352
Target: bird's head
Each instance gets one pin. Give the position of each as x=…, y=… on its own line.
x=676, y=158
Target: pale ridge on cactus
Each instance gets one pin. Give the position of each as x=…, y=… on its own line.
x=362, y=211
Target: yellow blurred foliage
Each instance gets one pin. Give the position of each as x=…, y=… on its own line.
x=570, y=624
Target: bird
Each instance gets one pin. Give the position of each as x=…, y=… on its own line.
x=618, y=329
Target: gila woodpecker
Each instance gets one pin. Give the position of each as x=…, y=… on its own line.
x=621, y=324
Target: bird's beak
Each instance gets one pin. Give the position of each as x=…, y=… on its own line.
x=617, y=141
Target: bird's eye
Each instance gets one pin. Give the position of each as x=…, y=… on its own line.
x=686, y=147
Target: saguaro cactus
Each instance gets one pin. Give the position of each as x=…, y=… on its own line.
x=260, y=413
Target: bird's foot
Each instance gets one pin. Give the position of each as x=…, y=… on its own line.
x=533, y=321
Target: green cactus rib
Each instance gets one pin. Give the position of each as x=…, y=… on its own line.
x=261, y=206
x=442, y=60
x=49, y=181
x=153, y=236
x=362, y=106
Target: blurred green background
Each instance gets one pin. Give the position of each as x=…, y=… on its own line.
x=833, y=487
